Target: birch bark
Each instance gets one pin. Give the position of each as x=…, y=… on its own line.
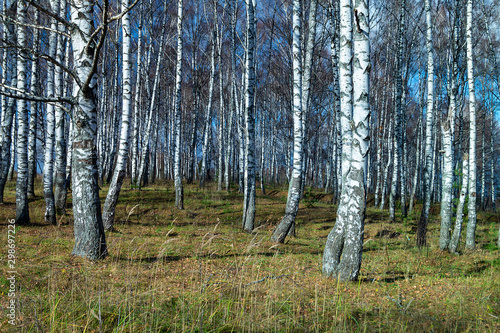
x=344, y=245
x=22, y=211
x=424, y=216
x=90, y=240
x=249, y=180
x=294, y=189
x=179, y=191
x=472, y=217
x=123, y=150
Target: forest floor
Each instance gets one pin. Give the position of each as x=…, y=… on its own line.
x=195, y=270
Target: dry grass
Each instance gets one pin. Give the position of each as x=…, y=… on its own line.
x=195, y=270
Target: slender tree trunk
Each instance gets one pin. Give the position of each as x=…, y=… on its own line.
x=424, y=216
x=179, y=190
x=60, y=140
x=34, y=114
x=249, y=190
x=22, y=211
x=455, y=238
x=48, y=165
x=208, y=124
x=294, y=188
x=471, y=223
x=123, y=150
x=447, y=129
x=135, y=181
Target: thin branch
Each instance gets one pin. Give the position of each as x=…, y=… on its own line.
x=23, y=95
x=51, y=14
x=34, y=26
x=44, y=57
x=119, y=16
x=98, y=47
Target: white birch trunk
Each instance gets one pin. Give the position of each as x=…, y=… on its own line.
x=455, y=238
x=146, y=141
x=249, y=180
x=123, y=150
x=60, y=140
x=344, y=245
x=470, y=242
x=424, y=216
x=447, y=129
x=294, y=189
x=22, y=211
x=48, y=165
x=179, y=191
x=208, y=112
x=34, y=114
x=90, y=240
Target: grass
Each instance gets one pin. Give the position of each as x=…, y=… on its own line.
x=196, y=271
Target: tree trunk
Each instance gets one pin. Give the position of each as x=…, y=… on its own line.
x=471, y=224
x=90, y=241
x=121, y=161
x=424, y=216
x=294, y=188
x=22, y=211
x=34, y=114
x=249, y=180
x=344, y=245
x=60, y=141
x=455, y=238
x=179, y=190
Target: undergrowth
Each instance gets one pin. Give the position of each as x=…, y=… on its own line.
x=196, y=271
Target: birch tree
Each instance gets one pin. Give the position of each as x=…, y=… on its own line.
x=123, y=150
x=249, y=177
x=179, y=191
x=295, y=185
x=447, y=129
x=22, y=211
x=424, y=216
x=344, y=245
x=90, y=240
x=34, y=105
x=471, y=224
x=48, y=164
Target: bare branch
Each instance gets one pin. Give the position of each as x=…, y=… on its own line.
x=44, y=57
x=119, y=16
x=98, y=47
x=19, y=94
x=51, y=14
x=34, y=26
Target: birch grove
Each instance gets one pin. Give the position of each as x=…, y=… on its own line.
x=398, y=114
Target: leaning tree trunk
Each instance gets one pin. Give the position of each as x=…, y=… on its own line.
x=344, y=245
x=455, y=238
x=34, y=115
x=472, y=217
x=121, y=161
x=208, y=111
x=90, y=241
x=179, y=190
x=249, y=177
x=294, y=187
x=22, y=211
x=424, y=216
